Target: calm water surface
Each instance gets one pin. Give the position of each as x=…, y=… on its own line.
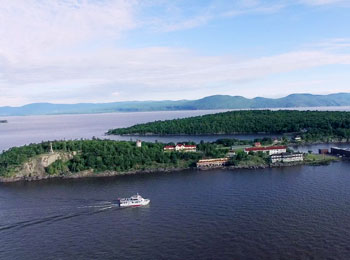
x=23, y=130
x=282, y=213
x=290, y=213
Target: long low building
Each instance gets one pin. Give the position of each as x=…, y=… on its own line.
x=287, y=157
x=267, y=149
x=212, y=162
x=181, y=147
x=340, y=151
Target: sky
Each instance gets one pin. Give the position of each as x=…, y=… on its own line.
x=74, y=51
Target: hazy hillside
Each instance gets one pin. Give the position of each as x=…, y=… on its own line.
x=211, y=102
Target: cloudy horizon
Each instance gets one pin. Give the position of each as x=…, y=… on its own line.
x=73, y=51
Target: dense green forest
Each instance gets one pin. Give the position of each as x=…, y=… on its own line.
x=100, y=155
x=311, y=125
x=121, y=156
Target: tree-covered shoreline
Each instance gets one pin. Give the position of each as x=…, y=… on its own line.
x=109, y=155
x=310, y=125
x=98, y=155
x=102, y=155
x=83, y=158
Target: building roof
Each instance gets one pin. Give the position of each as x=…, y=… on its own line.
x=268, y=148
x=342, y=149
x=179, y=145
x=213, y=160
x=185, y=145
x=287, y=154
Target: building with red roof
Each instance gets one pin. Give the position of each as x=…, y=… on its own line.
x=169, y=148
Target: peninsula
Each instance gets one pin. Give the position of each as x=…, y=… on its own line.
x=87, y=158
x=305, y=126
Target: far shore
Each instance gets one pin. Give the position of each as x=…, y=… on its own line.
x=204, y=134
x=291, y=143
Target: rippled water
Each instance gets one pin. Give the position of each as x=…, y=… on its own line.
x=287, y=213
x=282, y=213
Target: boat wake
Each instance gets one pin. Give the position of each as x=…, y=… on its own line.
x=88, y=210
x=99, y=205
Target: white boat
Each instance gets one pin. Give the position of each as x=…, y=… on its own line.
x=133, y=201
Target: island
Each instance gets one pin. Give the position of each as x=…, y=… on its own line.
x=303, y=126
x=3, y=121
x=94, y=158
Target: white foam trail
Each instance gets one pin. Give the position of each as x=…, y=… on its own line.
x=95, y=206
x=106, y=208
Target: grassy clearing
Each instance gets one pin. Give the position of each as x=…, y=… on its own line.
x=320, y=159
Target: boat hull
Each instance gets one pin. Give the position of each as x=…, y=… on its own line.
x=132, y=205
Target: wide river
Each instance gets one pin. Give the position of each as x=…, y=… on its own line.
x=22, y=130
x=283, y=213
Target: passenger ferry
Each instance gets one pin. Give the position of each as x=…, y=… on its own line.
x=133, y=201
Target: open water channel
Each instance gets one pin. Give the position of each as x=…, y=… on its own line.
x=283, y=213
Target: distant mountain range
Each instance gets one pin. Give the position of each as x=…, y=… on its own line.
x=211, y=102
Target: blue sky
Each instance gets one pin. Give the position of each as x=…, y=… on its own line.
x=69, y=51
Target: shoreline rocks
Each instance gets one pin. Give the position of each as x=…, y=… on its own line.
x=92, y=174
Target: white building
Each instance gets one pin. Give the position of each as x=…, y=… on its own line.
x=169, y=148
x=186, y=148
x=212, y=162
x=267, y=149
x=181, y=148
x=287, y=157
x=297, y=139
x=231, y=154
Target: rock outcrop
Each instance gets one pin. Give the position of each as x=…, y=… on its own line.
x=34, y=169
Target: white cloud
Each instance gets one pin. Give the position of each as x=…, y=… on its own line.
x=67, y=51
x=324, y=2
x=257, y=9
x=182, y=19
x=185, y=24
x=33, y=28
x=177, y=17
x=128, y=74
x=339, y=44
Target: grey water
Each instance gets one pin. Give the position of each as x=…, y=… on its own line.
x=281, y=213
x=21, y=130
x=298, y=212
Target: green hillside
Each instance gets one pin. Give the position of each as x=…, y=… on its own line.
x=310, y=124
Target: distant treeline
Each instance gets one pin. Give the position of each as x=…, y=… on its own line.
x=309, y=124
